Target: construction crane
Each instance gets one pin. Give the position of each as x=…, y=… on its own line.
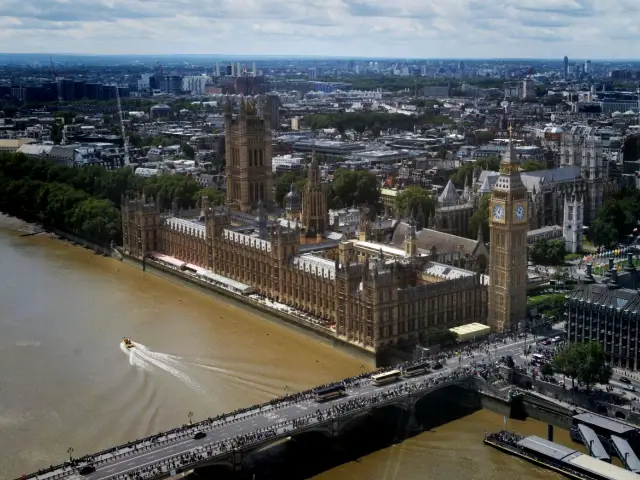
x=125, y=139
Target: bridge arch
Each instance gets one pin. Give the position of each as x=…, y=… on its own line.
x=376, y=413
x=446, y=403
x=217, y=469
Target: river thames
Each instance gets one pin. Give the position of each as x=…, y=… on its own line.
x=65, y=382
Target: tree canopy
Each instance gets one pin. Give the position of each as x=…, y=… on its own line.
x=480, y=218
x=585, y=362
x=413, y=199
x=282, y=185
x=551, y=305
x=86, y=201
x=617, y=218
x=547, y=252
x=362, y=121
x=359, y=187
x=532, y=166
x=465, y=171
x=439, y=336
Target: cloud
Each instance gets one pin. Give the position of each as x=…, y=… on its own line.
x=372, y=28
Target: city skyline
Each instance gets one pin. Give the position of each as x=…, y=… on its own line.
x=407, y=29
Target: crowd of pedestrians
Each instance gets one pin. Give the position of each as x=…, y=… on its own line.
x=329, y=412
x=335, y=410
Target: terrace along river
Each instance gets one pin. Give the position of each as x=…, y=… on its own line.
x=65, y=382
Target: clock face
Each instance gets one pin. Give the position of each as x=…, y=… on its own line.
x=519, y=212
x=498, y=212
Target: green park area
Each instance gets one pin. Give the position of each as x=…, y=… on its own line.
x=549, y=304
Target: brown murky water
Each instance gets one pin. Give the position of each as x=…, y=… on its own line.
x=65, y=382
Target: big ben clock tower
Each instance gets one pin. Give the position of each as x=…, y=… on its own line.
x=509, y=224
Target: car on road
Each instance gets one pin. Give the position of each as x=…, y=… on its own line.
x=436, y=366
x=199, y=435
x=625, y=380
x=86, y=470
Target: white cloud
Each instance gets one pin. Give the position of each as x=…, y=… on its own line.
x=374, y=28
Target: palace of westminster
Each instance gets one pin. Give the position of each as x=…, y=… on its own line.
x=376, y=288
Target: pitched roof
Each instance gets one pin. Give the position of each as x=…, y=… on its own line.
x=449, y=195
x=427, y=238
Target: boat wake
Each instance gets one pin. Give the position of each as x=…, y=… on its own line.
x=145, y=359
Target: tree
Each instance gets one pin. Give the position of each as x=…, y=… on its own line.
x=585, y=362
x=188, y=150
x=282, y=185
x=56, y=133
x=361, y=121
x=483, y=136
x=439, y=336
x=66, y=115
x=603, y=231
x=593, y=366
x=216, y=197
x=546, y=369
x=547, y=252
x=480, y=218
x=355, y=187
x=567, y=363
x=532, y=166
x=617, y=218
x=413, y=199
x=465, y=172
x=551, y=305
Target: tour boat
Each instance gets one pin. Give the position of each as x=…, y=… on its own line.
x=127, y=343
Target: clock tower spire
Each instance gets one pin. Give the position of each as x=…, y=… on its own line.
x=509, y=225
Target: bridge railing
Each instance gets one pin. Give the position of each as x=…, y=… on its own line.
x=220, y=448
x=182, y=432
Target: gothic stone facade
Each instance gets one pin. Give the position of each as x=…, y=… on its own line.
x=508, y=265
x=248, y=157
x=373, y=303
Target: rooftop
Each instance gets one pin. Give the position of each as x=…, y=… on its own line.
x=545, y=447
x=614, y=426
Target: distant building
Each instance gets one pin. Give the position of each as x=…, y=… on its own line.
x=528, y=89
x=437, y=91
x=13, y=145
x=160, y=111
x=60, y=155
x=196, y=85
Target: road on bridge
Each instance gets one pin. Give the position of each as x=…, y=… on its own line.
x=166, y=447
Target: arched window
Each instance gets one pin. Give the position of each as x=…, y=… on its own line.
x=261, y=159
x=251, y=158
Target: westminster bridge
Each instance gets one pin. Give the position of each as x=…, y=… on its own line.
x=231, y=438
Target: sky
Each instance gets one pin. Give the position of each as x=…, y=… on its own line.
x=585, y=29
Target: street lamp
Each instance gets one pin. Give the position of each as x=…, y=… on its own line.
x=190, y=415
x=70, y=451
x=286, y=390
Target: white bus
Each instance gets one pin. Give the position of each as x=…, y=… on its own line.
x=386, y=377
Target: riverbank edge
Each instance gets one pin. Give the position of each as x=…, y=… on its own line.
x=25, y=228
x=282, y=318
